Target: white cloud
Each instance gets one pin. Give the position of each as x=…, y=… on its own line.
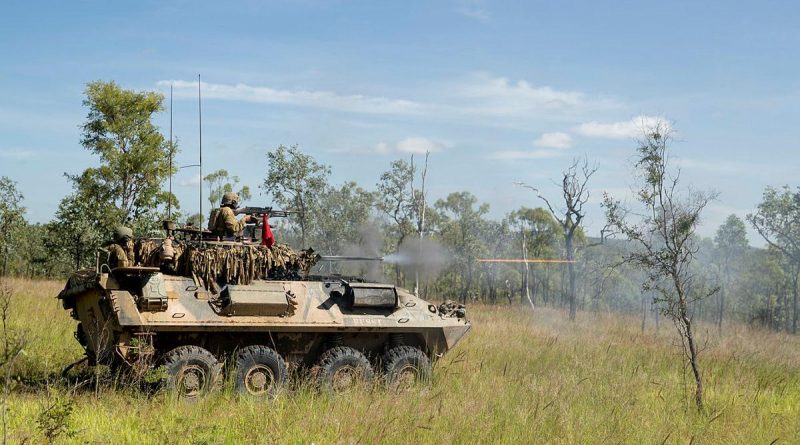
x=499, y=90
x=16, y=154
x=554, y=140
x=194, y=181
x=412, y=145
x=474, y=9
x=513, y=155
x=622, y=130
x=356, y=103
x=480, y=97
x=409, y=145
x=500, y=101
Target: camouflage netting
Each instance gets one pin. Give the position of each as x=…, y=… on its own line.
x=230, y=264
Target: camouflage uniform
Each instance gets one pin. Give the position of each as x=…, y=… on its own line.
x=223, y=220
x=121, y=252
x=226, y=224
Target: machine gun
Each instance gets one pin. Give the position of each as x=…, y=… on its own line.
x=269, y=211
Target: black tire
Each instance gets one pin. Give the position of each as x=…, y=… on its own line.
x=260, y=371
x=343, y=368
x=406, y=366
x=191, y=371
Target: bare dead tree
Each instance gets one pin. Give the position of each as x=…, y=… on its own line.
x=575, y=195
x=418, y=198
x=663, y=233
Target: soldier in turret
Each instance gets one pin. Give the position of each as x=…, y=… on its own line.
x=120, y=252
x=223, y=222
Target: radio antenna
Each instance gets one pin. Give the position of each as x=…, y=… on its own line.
x=171, y=153
x=200, y=119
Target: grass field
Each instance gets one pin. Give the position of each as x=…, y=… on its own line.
x=518, y=377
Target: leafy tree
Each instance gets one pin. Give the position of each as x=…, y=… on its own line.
x=134, y=159
x=36, y=259
x=537, y=232
x=75, y=233
x=731, y=245
x=502, y=241
x=296, y=181
x=664, y=232
x=777, y=220
x=343, y=224
x=461, y=228
x=219, y=183
x=764, y=285
x=395, y=200
x=12, y=220
x=126, y=188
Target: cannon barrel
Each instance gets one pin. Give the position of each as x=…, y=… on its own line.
x=349, y=258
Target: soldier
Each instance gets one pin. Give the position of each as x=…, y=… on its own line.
x=223, y=221
x=121, y=251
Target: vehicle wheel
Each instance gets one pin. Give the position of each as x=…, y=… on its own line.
x=406, y=366
x=191, y=370
x=260, y=371
x=343, y=368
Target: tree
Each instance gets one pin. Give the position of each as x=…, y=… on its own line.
x=395, y=199
x=537, y=233
x=296, y=180
x=343, y=224
x=12, y=219
x=75, y=231
x=502, y=241
x=460, y=229
x=777, y=220
x=420, y=200
x=570, y=216
x=664, y=232
x=219, y=183
x=731, y=244
x=134, y=156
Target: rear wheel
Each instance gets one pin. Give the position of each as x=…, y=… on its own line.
x=260, y=371
x=342, y=369
x=406, y=366
x=192, y=371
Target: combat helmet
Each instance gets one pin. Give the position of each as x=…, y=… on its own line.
x=122, y=232
x=231, y=199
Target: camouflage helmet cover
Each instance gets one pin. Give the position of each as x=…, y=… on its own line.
x=122, y=232
x=230, y=198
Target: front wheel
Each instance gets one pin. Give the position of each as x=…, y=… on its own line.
x=406, y=366
x=260, y=371
x=342, y=369
x=191, y=371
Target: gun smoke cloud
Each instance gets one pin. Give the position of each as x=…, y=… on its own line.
x=424, y=255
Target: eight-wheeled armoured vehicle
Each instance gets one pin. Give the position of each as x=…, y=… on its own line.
x=190, y=305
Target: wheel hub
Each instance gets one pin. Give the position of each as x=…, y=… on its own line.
x=259, y=379
x=405, y=377
x=192, y=381
x=344, y=378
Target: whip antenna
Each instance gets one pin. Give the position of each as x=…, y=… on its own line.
x=171, y=153
x=200, y=121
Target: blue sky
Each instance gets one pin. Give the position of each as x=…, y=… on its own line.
x=498, y=91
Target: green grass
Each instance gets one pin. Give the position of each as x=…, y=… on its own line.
x=518, y=377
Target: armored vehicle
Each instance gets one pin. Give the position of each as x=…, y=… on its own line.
x=188, y=306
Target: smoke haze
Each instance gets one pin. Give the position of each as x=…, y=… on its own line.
x=426, y=256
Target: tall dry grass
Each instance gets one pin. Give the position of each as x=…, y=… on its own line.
x=519, y=377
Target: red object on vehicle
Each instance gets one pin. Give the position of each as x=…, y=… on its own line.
x=267, y=238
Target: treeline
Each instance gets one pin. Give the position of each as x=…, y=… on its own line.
x=432, y=245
